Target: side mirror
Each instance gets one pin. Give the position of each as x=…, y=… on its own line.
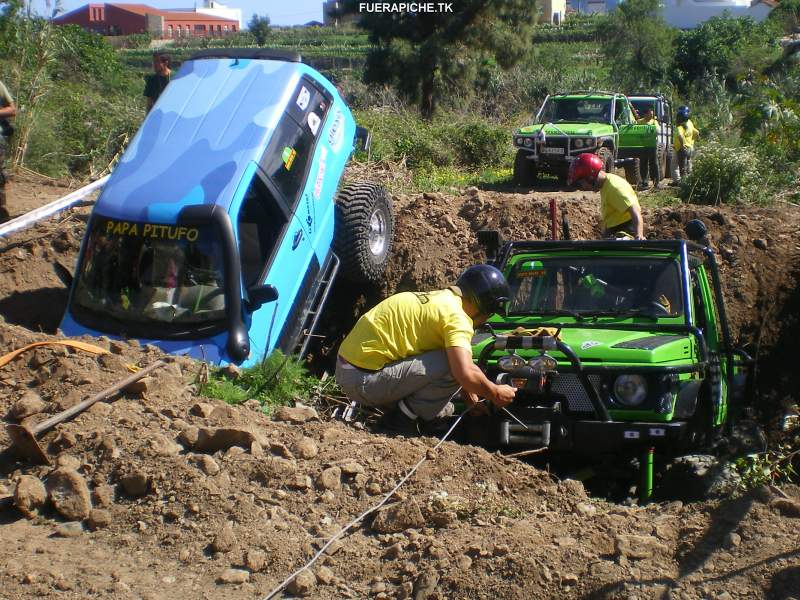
x=259, y=295
x=363, y=139
x=491, y=241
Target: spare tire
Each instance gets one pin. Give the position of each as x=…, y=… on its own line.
x=364, y=231
x=525, y=172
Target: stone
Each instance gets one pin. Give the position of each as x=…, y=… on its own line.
x=760, y=243
x=224, y=413
x=324, y=575
x=732, y=540
x=399, y=517
x=163, y=446
x=425, y=585
x=295, y=414
x=139, y=387
x=374, y=488
x=256, y=450
x=330, y=479
x=299, y=481
x=255, y=560
x=29, y=495
x=69, y=494
x=306, y=448
x=69, y=462
x=445, y=518
x=29, y=404
x=394, y=551
x=202, y=409
x=303, y=584
x=280, y=449
x=501, y=550
x=99, y=518
x=786, y=506
x=70, y=529
x=103, y=496
x=638, y=546
x=117, y=347
x=189, y=436
x=63, y=441
x=207, y=465
x=231, y=372
x=349, y=467
x=569, y=579
x=463, y=562
x=225, y=540
x=234, y=576
x=136, y=483
x=210, y=439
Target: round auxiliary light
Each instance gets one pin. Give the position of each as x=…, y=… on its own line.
x=630, y=390
x=528, y=142
x=543, y=363
x=510, y=362
x=519, y=141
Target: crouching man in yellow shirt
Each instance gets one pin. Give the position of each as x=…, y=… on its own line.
x=411, y=353
x=619, y=205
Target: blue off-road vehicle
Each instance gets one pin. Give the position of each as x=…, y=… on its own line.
x=221, y=230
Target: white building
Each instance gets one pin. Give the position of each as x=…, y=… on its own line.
x=553, y=11
x=688, y=14
x=216, y=9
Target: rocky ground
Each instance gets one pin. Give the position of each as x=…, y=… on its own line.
x=162, y=493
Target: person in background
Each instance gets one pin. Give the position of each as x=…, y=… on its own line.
x=650, y=165
x=685, y=135
x=412, y=353
x=619, y=204
x=8, y=110
x=155, y=83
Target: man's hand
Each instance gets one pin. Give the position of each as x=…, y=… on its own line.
x=505, y=396
x=472, y=380
x=473, y=403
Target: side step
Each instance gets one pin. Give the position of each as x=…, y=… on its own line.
x=311, y=319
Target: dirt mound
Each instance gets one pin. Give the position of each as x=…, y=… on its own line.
x=163, y=494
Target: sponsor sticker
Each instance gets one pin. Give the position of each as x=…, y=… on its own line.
x=336, y=133
x=289, y=154
x=631, y=435
x=657, y=432
x=589, y=344
x=323, y=155
x=303, y=98
x=151, y=230
x=313, y=122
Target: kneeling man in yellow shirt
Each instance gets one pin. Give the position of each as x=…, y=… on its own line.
x=411, y=353
x=619, y=205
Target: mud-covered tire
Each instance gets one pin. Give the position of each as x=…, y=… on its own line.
x=698, y=477
x=633, y=172
x=364, y=231
x=607, y=156
x=525, y=172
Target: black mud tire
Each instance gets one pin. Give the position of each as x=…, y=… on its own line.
x=525, y=172
x=364, y=232
x=695, y=477
x=633, y=172
x=607, y=156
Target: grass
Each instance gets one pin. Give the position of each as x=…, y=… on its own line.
x=276, y=381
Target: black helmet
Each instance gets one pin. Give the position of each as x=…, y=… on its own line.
x=696, y=231
x=682, y=114
x=486, y=287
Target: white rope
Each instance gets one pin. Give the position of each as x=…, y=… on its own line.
x=37, y=214
x=369, y=511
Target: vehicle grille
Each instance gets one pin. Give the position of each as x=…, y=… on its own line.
x=568, y=384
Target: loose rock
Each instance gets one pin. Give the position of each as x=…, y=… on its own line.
x=207, y=465
x=69, y=494
x=399, y=517
x=295, y=414
x=29, y=404
x=324, y=575
x=99, y=518
x=202, y=409
x=136, y=483
x=68, y=530
x=233, y=576
x=163, y=446
x=213, y=439
x=306, y=448
x=638, y=546
x=29, y=495
x=225, y=540
x=330, y=479
x=786, y=506
x=255, y=560
x=303, y=584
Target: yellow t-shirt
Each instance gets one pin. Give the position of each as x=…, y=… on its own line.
x=685, y=134
x=407, y=324
x=616, y=197
x=646, y=121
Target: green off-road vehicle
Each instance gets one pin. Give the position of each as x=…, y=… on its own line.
x=615, y=347
x=567, y=125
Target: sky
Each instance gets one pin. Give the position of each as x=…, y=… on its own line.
x=280, y=12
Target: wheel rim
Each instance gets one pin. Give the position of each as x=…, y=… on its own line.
x=377, y=233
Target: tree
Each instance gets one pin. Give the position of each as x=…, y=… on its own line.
x=259, y=27
x=427, y=54
x=639, y=45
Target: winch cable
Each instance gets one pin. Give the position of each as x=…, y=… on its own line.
x=371, y=510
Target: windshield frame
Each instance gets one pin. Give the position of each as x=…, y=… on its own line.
x=552, y=99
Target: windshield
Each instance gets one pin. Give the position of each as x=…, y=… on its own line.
x=576, y=110
x=642, y=106
x=151, y=274
x=596, y=286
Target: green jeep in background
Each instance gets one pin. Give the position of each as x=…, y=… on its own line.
x=570, y=124
x=636, y=356
x=661, y=143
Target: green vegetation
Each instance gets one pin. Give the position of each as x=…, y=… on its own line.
x=770, y=467
x=276, y=381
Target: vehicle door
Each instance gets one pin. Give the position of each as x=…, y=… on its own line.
x=629, y=137
x=274, y=250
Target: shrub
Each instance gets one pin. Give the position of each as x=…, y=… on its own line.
x=138, y=41
x=481, y=144
x=723, y=174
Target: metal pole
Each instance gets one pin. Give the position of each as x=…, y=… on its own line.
x=646, y=471
x=553, y=220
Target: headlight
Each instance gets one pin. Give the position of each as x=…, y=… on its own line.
x=528, y=142
x=519, y=141
x=579, y=143
x=630, y=390
x=510, y=362
x=543, y=363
